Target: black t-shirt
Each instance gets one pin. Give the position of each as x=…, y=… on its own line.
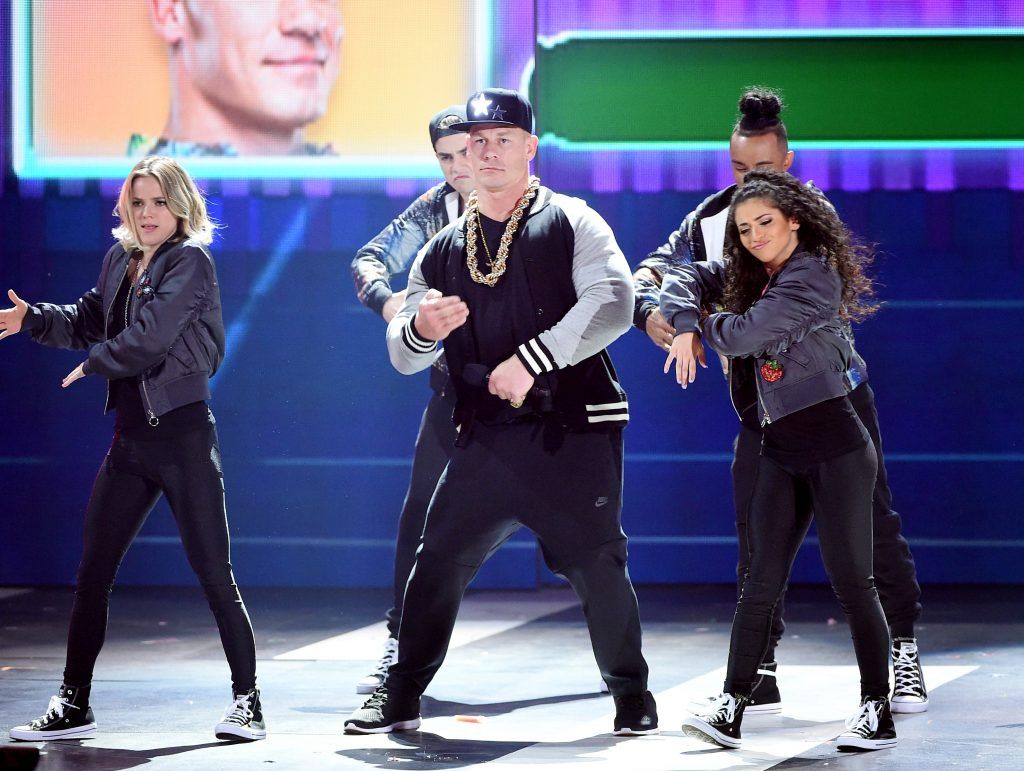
x=814, y=434
x=131, y=418
x=499, y=315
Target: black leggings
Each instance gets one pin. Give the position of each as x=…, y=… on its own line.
x=895, y=572
x=838, y=492
x=187, y=469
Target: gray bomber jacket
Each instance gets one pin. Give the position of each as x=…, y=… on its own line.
x=795, y=322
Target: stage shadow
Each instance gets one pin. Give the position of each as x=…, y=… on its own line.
x=74, y=755
x=420, y=751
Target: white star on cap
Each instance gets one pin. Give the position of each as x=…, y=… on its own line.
x=499, y=114
x=480, y=104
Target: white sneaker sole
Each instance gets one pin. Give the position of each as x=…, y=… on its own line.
x=636, y=732
x=401, y=725
x=698, y=729
x=232, y=732
x=28, y=735
x=772, y=708
x=858, y=744
x=908, y=707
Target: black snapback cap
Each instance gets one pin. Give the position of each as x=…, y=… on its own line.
x=441, y=124
x=498, y=106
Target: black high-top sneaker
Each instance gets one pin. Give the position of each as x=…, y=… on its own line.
x=765, y=698
x=870, y=729
x=243, y=720
x=908, y=693
x=68, y=716
x=719, y=722
x=636, y=715
x=385, y=711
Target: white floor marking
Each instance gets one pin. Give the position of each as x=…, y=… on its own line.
x=479, y=617
x=5, y=593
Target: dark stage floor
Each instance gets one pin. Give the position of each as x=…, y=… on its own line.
x=521, y=668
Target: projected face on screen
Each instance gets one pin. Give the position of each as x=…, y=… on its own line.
x=248, y=89
x=247, y=77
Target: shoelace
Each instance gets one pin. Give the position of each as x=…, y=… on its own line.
x=57, y=705
x=377, y=698
x=721, y=709
x=390, y=657
x=907, y=673
x=239, y=712
x=865, y=722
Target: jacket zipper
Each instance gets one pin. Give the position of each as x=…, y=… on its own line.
x=732, y=400
x=110, y=308
x=153, y=419
x=767, y=418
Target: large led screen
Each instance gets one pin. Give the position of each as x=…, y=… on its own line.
x=244, y=88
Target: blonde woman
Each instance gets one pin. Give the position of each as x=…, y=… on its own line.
x=153, y=329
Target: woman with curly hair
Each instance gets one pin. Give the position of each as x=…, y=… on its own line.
x=792, y=278
x=153, y=329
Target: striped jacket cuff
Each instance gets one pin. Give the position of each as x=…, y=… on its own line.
x=536, y=357
x=413, y=341
x=609, y=412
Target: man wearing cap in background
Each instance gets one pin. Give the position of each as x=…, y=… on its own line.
x=390, y=252
x=526, y=290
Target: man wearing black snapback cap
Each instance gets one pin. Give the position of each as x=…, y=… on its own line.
x=526, y=289
x=389, y=253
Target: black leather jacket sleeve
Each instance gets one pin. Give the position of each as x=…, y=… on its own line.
x=75, y=326
x=800, y=298
x=183, y=293
x=803, y=296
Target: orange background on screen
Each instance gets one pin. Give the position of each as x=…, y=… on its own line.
x=99, y=75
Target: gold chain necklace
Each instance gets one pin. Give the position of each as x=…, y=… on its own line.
x=473, y=225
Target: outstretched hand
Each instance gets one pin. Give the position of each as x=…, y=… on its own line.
x=11, y=318
x=438, y=315
x=686, y=351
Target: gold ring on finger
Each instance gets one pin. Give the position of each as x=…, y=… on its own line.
x=516, y=403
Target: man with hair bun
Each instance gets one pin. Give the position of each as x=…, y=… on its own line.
x=759, y=141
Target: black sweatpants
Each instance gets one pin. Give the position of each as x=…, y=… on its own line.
x=134, y=474
x=895, y=572
x=434, y=444
x=837, y=493
x=567, y=488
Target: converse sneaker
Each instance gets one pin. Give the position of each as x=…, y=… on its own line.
x=375, y=679
x=719, y=723
x=870, y=729
x=636, y=715
x=764, y=698
x=68, y=716
x=243, y=720
x=385, y=712
x=908, y=693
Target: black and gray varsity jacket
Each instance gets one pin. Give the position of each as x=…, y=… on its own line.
x=582, y=295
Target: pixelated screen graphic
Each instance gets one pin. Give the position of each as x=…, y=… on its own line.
x=261, y=88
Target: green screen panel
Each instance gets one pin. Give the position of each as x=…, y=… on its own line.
x=848, y=89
